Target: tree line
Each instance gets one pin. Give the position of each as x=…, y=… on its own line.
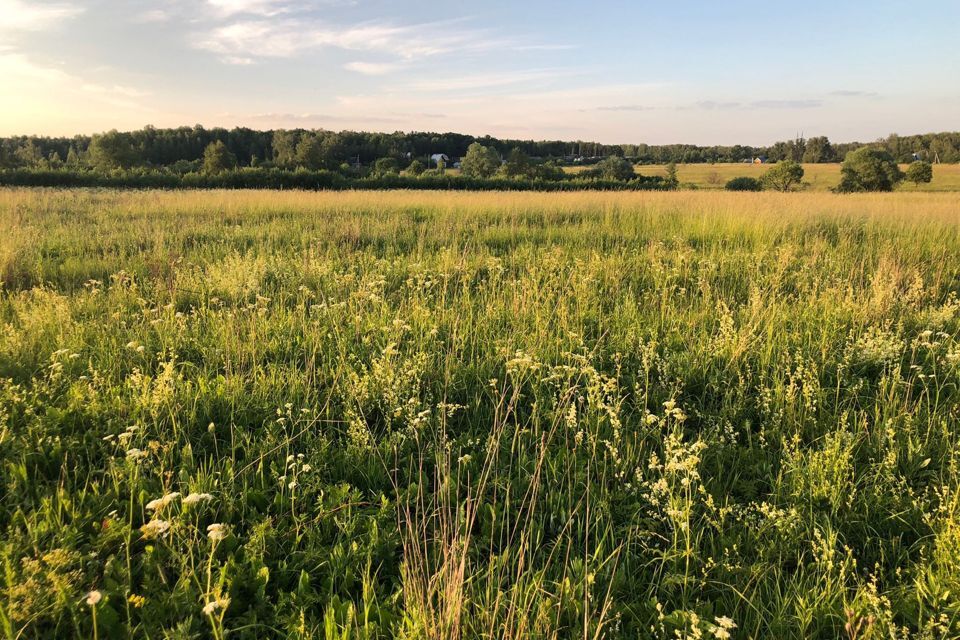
x=181, y=150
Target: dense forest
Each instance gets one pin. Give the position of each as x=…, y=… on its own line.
x=181, y=150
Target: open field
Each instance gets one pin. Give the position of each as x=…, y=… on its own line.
x=819, y=177
x=460, y=415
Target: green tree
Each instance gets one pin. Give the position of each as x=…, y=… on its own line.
x=112, y=150
x=415, y=168
x=217, y=158
x=284, y=149
x=818, y=149
x=672, y=181
x=783, y=176
x=614, y=168
x=869, y=169
x=386, y=166
x=29, y=155
x=480, y=161
x=73, y=160
x=517, y=164
x=310, y=153
x=920, y=171
x=549, y=170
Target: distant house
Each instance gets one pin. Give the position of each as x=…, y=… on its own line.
x=760, y=160
x=437, y=158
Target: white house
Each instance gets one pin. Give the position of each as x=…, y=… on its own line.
x=437, y=157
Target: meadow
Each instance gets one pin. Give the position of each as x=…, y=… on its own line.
x=817, y=177
x=449, y=416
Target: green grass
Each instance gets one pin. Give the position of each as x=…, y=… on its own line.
x=455, y=415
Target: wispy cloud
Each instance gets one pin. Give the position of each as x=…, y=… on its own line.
x=227, y=8
x=371, y=68
x=625, y=107
x=848, y=93
x=712, y=105
x=18, y=15
x=786, y=104
x=481, y=81
x=287, y=38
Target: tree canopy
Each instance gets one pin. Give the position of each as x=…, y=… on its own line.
x=869, y=169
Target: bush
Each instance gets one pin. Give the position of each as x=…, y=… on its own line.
x=743, y=183
x=783, y=176
x=920, y=171
x=869, y=169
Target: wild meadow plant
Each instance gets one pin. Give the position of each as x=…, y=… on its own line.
x=454, y=416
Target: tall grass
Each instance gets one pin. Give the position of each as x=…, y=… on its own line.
x=450, y=415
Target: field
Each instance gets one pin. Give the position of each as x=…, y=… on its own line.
x=459, y=415
x=818, y=177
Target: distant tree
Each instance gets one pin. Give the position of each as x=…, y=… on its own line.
x=310, y=153
x=29, y=154
x=385, y=166
x=743, y=183
x=480, y=161
x=549, y=170
x=613, y=168
x=783, y=176
x=112, y=150
x=517, y=164
x=819, y=149
x=217, y=158
x=284, y=149
x=54, y=161
x=869, y=169
x=73, y=159
x=920, y=171
x=415, y=168
x=672, y=181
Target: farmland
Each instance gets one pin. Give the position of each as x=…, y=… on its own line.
x=480, y=415
x=817, y=177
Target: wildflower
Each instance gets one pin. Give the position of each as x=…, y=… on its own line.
x=465, y=459
x=211, y=607
x=136, y=600
x=155, y=528
x=94, y=597
x=218, y=531
x=306, y=468
x=136, y=454
x=292, y=485
x=160, y=503
x=195, y=498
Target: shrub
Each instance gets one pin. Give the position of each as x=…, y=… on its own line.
x=920, y=171
x=743, y=183
x=783, y=176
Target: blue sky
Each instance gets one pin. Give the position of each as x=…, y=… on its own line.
x=614, y=71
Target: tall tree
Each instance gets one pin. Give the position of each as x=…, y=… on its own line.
x=480, y=161
x=112, y=150
x=217, y=158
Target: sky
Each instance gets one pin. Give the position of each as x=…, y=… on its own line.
x=613, y=71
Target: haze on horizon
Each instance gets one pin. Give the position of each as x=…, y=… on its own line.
x=745, y=72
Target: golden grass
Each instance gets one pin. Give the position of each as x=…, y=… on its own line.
x=819, y=177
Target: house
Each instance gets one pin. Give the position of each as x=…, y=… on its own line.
x=760, y=160
x=437, y=158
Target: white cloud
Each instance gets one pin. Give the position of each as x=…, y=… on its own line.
x=228, y=8
x=284, y=38
x=18, y=15
x=371, y=68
